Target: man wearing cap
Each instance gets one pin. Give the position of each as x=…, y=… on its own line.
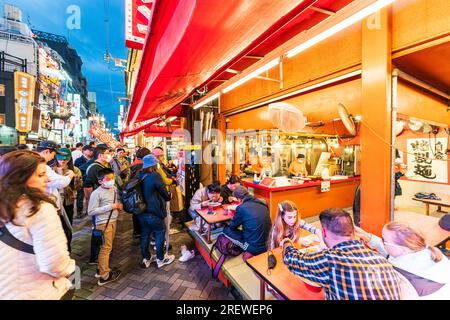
x=88, y=153
x=253, y=215
x=48, y=151
x=298, y=167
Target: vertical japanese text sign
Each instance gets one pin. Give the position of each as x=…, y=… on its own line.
x=24, y=99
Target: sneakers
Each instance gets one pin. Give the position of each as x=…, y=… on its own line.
x=146, y=263
x=92, y=262
x=97, y=273
x=112, y=276
x=168, y=259
x=186, y=255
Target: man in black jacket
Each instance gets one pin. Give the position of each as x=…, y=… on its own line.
x=253, y=215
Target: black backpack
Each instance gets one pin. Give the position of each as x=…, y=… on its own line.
x=133, y=197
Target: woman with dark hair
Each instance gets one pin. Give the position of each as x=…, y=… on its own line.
x=226, y=191
x=152, y=220
x=37, y=265
x=69, y=193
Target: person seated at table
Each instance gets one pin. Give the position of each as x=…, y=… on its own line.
x=201, y=199
x=347, y=270
x=288, y=224
x=226, y=191
x=253, y=215
x=255, y=161
x=426, y=268
x=297, y=167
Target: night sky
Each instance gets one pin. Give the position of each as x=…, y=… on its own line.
x=89, y=41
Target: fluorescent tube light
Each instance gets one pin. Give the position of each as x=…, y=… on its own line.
x=252, y=75
x=207, y=100
x=340, y=26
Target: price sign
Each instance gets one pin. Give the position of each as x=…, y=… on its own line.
x=325, y=186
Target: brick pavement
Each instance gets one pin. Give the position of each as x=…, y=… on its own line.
x=178, y=281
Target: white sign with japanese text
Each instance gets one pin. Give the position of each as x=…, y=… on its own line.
x=427, y=159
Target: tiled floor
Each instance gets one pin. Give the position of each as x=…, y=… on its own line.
x=177, y=281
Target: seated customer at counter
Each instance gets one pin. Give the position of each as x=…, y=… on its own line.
x=202, y=198
x=347, y=270
x=298, y=167
x=253, y=215
x=426, y=268
x=226, y=191
x=288, y=224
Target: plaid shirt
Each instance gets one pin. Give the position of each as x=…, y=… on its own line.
x=347, y=271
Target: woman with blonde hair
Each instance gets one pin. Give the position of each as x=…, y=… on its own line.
x=426, y=268
x=288, y=224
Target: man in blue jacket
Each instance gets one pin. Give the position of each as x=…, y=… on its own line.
x=253, y=215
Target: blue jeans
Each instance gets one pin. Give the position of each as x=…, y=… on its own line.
x=151, y=223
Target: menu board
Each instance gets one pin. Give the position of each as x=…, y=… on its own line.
x=24, y=96
x=427, y=160
x=181, y=172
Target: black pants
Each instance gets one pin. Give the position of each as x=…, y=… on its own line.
x=95, y=249
x=136, y=225
x=80, y=199
x=69, y=212
x=67, y=232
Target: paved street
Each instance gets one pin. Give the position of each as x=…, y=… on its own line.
x=177, y=281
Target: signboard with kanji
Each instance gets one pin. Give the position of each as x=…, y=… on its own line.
x=24, y=96
x=138, y=17
x=104, y=137
x=427, y=159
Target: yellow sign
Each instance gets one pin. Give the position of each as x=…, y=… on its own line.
x=24, y=99
x=191, y=147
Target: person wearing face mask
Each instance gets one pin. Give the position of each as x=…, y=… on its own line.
x=298, y=167
x=69, y=193
x=426, y=268
x=101, y=158
x=104, y=207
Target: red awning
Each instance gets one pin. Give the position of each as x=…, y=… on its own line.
x=191, y=40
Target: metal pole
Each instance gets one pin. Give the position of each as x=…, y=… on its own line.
x=393, y=138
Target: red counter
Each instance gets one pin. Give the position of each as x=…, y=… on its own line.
x=308, y=197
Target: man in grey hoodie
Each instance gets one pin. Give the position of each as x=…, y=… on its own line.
x=105, y=205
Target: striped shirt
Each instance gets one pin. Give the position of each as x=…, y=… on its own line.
x=347, y=271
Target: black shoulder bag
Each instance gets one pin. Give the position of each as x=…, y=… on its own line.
x=7, y=238
x=98, y=236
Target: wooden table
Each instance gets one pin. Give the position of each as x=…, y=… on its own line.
x=220, y=215
x=429, y=226
x=284, y=282
x=444, y=202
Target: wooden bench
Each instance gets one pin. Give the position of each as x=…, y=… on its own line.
x=234, y=271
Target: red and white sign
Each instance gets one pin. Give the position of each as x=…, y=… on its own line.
x=104, y=137
x=138, y=18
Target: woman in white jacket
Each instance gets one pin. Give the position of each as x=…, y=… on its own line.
x=29, y=215
x=426, y=268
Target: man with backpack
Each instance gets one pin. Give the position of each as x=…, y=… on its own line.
x=102, y=157
x=253, y=215
x=88, y=153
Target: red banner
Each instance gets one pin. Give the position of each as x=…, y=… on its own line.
x=138, y=17
x=104, y=137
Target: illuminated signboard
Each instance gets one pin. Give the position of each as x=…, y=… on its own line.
x=104, y=137
x=138, y=17
x=24, y=97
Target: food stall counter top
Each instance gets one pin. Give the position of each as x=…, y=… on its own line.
x=248, y=182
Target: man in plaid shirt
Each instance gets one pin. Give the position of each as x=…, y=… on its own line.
x=347, y=270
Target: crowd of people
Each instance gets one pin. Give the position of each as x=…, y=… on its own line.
x=43, y=189
x=49, y=186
